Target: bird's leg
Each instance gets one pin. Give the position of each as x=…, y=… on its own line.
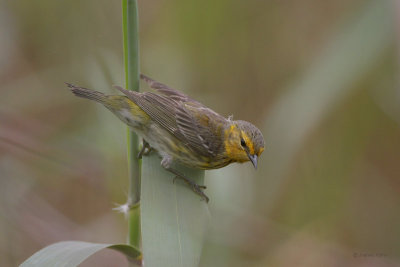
x=166, y=163
x=146, y=149
x=195, y=187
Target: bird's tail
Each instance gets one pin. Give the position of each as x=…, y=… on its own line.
x=87, y=93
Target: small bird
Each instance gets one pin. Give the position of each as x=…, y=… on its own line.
x=181, y=129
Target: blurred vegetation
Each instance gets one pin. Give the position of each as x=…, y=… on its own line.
x=319, y=78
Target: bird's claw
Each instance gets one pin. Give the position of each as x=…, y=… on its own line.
x=144, y=152
x=146, y=149
x=195, y=187
x=189, y=183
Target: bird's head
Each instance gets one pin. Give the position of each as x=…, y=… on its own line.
x=244, y=142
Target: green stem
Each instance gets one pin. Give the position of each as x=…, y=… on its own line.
x=131, y=62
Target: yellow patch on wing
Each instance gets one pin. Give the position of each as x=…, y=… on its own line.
x=203, y=119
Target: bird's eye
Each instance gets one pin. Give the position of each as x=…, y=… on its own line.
x=243, y=143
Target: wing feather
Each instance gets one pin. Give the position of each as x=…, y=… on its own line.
x=186, y=119
x=166, y=90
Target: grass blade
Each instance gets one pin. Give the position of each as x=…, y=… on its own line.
x=131, y=62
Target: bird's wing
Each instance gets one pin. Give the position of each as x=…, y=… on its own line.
x=199, y=124
x=202, y=127
x=177, y=117
x=168, y=91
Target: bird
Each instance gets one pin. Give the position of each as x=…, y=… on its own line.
x=181, y=129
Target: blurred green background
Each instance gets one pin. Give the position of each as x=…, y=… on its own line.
x=320, y=79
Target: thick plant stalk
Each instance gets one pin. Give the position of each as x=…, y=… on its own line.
x=131, y=61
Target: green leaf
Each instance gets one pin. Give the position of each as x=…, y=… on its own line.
x=72, y=253
x=174, y=218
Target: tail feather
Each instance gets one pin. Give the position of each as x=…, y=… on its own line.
x=87, y=93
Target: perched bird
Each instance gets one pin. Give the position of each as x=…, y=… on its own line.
x=181, y=129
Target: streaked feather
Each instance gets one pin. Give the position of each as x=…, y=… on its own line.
x=193, y=124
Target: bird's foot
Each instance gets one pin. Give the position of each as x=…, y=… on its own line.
x=195, y=187
x=146, y=149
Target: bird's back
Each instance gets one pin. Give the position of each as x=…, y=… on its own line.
x=197, y=129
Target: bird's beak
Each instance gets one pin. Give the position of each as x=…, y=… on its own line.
x=253, y=159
